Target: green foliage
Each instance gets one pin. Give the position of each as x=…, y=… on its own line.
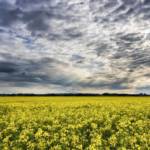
x=74, y=123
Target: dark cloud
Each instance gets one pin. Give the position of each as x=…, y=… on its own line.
x=132, y=37
x=119, y=10
x=33, y=71
x=7, y=67
x=72, y=33
x=8, y=14
x=102, y=48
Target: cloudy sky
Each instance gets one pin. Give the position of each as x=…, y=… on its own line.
x=54, y=46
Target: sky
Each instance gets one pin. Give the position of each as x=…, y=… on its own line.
x=74, y=46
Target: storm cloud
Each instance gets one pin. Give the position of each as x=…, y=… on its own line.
x=54, y=46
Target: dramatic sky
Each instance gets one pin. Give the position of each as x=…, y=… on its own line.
x=53, y=46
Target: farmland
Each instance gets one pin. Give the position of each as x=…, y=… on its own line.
x=74, y=123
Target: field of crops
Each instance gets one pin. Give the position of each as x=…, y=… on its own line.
x=74, y=123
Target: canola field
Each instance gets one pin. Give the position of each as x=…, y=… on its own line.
x=74, y=123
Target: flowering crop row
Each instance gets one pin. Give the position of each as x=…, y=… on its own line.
x=84, y=124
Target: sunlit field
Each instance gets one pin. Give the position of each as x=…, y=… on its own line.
x=74, y=123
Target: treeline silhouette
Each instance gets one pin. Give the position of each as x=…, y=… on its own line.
x=74, y=94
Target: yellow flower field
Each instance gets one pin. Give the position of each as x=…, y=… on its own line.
x=74, y=123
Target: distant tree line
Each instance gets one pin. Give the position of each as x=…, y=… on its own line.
x=74, y=94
